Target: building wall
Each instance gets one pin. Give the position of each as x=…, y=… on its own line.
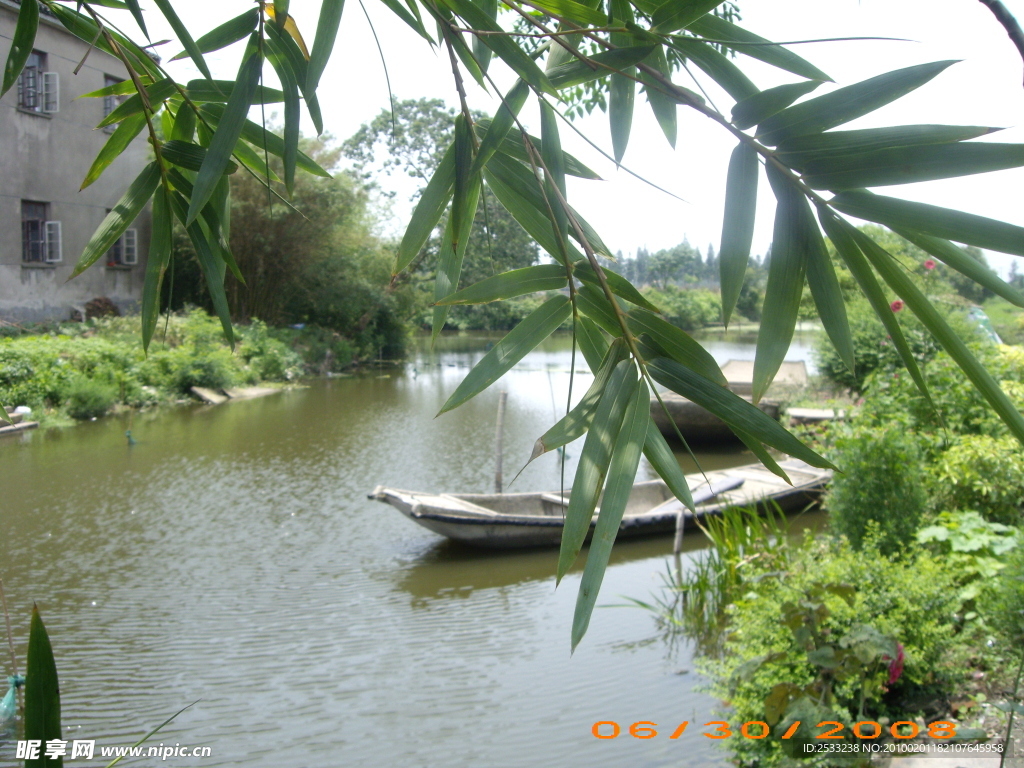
x=44, y=158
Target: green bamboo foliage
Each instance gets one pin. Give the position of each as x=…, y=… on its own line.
x=42, y=692
x=206, y=134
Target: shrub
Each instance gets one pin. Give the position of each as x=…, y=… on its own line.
x=873, y=349
x=686, y=308
x=881, y=483
x=90, y=399
x=1002, y=602
x=982, y=473
x=910, y=601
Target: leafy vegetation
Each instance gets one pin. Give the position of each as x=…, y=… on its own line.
x=818, y=176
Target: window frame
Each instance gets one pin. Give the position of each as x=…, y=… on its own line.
x=41, y=236
x=38, y=89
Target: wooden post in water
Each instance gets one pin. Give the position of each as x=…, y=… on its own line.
x=498, y=481
x=677, y=546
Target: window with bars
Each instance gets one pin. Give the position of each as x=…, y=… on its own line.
x=111, y=101
x=38, y=90
x=40, y=237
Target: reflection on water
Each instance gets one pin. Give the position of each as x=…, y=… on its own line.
x=231, y=557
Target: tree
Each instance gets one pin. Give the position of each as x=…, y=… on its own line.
x=783, y=129
x=413, y=140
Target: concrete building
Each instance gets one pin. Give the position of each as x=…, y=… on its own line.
x=48, y=141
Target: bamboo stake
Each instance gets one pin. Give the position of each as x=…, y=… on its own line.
x=498, y=480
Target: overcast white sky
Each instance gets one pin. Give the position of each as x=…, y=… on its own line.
x=986, y=88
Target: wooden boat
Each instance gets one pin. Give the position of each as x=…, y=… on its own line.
x=694, y=422
x=514, y=520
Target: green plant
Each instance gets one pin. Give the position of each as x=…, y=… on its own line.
x=983, y=473
x=827, y=594
x=973, y=547
x=90, y=399
x=1001, y=601
x=881, y=484
x=686, y=308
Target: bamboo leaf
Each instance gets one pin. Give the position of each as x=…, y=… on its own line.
x=84, y=28
x=21, y=44
x=189, y=156
x=845, y=104
x=622, y=87
x=554, y=178
x=513, y=148
x=785, y=285
x=323, y=42
x=932, y=220
x=42, y=693
x=756, y=47
x=261, y=138
x=297, y=58
x=120, y=217
x=597, y=66
x=120, y=88
x=594, y=304
x=536, y=223
x=570, y=10
x=838, y=232
x=521, y=178
x=289, y=84
x=248, y=157
x=156, y=265
x=577, y=421
x=202, y=91
x=228, y=129
x=663, y=106
x=480, y=50
x=533, y=329
x=594, y=461
x=679, y=14
x=625, y=459
x=118, y=142
x=660, y=455
x=506, y=285
x=227, y=33
x=731, y=408
x=907, y=165
x=718, y=67
x=962, y=262
x=898, y=280
x=184, y=36
x=494, y=133
x=453, y=249
x=507, y=50
x=211, y=267
x=619, y=285
x=844, y=142
x=757, y=448
x=676, y=344
x=824, y=285
x=737, y=225
x=593, y=343
x=754, y=109
x=281, y=11
x=184, y=128
x=133, y=6
x=428, y=211
x=134, y=105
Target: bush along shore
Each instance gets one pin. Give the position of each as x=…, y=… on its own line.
x=903, y=619
x=77, y=371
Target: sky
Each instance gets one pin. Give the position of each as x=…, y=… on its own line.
x=985, y=88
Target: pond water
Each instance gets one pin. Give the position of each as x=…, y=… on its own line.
x=231, y=558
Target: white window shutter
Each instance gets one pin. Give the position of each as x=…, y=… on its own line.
x=54, y=252
x=51, y=92
x=130, y=254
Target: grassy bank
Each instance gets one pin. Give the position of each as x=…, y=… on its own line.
x=85, y=370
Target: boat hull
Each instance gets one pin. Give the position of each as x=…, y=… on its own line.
x=508, y=524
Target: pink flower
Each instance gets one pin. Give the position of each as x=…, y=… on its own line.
x=929, y=264
x=895, y=665
x=896, y=306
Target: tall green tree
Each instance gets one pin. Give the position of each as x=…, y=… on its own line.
x=820, y=179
